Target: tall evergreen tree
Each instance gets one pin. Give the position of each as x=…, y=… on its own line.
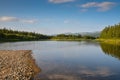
x=111, y=32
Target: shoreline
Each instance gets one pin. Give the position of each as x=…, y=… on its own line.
x=110, y=41
x=17, y=65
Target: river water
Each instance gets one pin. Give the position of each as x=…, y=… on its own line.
x=72, y=60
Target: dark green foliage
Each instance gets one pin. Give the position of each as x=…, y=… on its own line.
x=10, y=35
x=111, y=32
x=88, y=37
x=71, y=37
x=64, y=36
x=110, y=49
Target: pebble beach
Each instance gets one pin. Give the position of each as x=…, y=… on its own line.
x=17, y=65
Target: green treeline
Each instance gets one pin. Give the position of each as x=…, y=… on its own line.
x=71, y=37
x=111, y=32
x=11, y=35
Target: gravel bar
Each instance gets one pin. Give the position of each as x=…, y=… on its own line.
x=17, y=65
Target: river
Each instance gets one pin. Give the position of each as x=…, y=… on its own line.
x=72, y=60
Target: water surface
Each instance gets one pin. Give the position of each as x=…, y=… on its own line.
x=72, y=60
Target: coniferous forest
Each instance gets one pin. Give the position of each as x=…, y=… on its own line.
x=12, y=35
x=111, y=32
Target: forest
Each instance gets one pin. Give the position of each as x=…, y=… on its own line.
x=71, y=37
x=14, y=35
x=111, y=32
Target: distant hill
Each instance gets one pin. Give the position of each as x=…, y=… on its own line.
x=92, y=34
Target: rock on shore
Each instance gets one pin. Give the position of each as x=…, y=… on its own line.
x=17, y=65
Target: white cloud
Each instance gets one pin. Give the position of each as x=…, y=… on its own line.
x=90, y=4
x=8, y=19
x=60, y=1
x=103, y=6
x=29, y=21
x=15, y=19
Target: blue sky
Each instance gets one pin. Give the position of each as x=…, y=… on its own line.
x=59, y=16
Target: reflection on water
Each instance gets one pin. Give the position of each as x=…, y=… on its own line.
x=111, y=49
x=64, y=60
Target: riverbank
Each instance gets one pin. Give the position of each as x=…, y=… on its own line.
x=72, y=39
x=3, y=41
x=17, y=65
x=110, y=41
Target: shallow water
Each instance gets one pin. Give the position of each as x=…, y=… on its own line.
x=72, y=60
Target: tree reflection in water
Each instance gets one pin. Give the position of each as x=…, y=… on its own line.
x=111, y=49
